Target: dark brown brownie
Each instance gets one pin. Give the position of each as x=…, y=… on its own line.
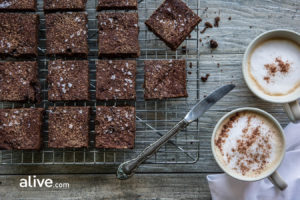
x=165, y=79
x=115, y=127
x=19, y=81
x=115, y=79
x=68, y=80
x=66, y=34
x=17, y=5
x=21, y=128
x=118, y=35
x=18, y=34
x=68, y=127
x=117, y=5
x=173, y=21
x=65, y=5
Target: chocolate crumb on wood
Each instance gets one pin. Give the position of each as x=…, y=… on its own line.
x=213, y=44
x=206, y=26
x=204, y=78
x=115, y=127
x=21, y=128
x=172, y=22
x=118, y=35
x=68, y=127
x=117, y=5
x=65, y=5
x=165, y=79
x=19, y=81
x=68, y=80
x=115, y=79
x=18, y=5
x=217, y=21
x=66, y=34
x=19, y=35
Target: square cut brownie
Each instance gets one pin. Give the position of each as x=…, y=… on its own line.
x=68, y=80
x=115, y=127
x=19, y=81
x=165, y=79
x=115, y=79
x=19, y=34
x=118, y=35
x=173, y=21
x=68, y=127
x=21, y=128
x=65, y=5
x=117, y=5
x=66, y=34
x=17, y=5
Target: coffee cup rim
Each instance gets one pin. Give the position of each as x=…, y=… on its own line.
x=265, y=114
x=247, y=53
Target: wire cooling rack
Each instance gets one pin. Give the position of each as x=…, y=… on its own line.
x=153, y=118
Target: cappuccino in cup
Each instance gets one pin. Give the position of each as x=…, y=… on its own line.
x=274, y=66
x=248, y=145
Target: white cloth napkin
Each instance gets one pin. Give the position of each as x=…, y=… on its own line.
x=224, y=187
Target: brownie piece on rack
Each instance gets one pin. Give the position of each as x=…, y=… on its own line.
x=117, y=5
x=68, y=127
x=18, y=35
x=115, y=127
x=68, y=80
x=17, y=5
x=173, y=21
x=19, y=81
x=118, y=35
x=115, y=79
x=66, y=34
x=65, y=5
x=165, y=79
x=21, y=128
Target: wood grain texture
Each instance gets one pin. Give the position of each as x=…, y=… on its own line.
x=141, y=186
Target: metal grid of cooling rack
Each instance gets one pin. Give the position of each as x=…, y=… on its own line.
x=153, y=119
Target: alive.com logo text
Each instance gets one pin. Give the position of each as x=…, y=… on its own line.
x=32, y=181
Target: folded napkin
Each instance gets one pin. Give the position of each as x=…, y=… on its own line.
x=224, y=187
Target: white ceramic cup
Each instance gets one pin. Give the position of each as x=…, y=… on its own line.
x=272, y=174
x=291, y=101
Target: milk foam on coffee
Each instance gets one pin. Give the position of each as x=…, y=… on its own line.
x=274, y=66
x=248, y=144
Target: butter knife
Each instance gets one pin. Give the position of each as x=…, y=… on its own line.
x=127, y=169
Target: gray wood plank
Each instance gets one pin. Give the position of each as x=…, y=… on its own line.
x=92, y=186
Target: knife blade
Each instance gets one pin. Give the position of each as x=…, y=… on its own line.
x=201, y=107
x=127, y=169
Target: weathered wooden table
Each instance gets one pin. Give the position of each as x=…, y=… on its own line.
x=241, y=21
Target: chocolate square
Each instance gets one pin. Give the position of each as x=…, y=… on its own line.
x=173, y=21
x=165, y=79
x=118, y=35
x=19, y=81
x=115, y=79
x=68, y=127
x=115, y=127
x=68, y=80
x=21, y=128
x=19, y=35
x=117, y=5
x=65, y=5
x=67, y=34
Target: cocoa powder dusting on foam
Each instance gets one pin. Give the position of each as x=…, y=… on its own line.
x=246, y=158
x=278, y=66
x=224, y=132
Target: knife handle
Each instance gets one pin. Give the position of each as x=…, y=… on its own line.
x=126, y=169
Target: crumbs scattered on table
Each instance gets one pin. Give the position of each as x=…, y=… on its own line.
x=207, y=25
x=213, y=44
x=191, y=65
x=204, y=78
x=229, y=18
x=217, y=20
x=218, y=65
x=189, y=72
